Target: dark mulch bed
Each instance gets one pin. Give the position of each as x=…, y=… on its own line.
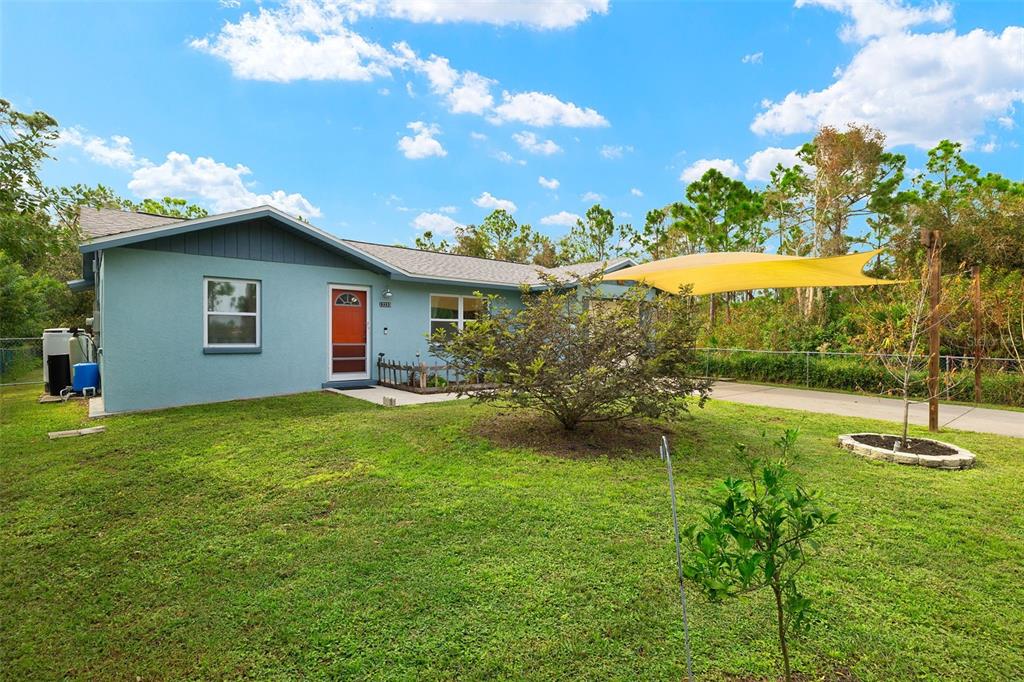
x=541, y=433
x=916, y=446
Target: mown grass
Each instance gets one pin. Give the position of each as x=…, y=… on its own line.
x=317, y=536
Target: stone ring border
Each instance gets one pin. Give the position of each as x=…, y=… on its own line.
x=963, y=459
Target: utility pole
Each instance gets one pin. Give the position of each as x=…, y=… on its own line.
x=933, y=240
x=976, y=307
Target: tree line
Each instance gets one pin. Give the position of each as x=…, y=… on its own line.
x=39, y=232
x=846, y=191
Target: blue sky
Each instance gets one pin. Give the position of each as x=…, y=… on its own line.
x=379, y=118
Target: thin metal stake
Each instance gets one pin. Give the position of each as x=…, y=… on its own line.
x=666, y=457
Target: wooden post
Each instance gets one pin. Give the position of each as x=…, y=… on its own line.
x=423, y=375
x=976, y=306
x=933, y=240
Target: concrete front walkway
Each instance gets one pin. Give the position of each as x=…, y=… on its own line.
x=962, y=417
x=376, y=394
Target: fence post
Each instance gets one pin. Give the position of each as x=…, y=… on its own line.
x=976, y=314
x=807, y=369
x=933, y=240
x=423, y=374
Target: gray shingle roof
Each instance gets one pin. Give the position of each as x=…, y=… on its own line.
x=468, y=268
x=103, y=222
x=412, y=262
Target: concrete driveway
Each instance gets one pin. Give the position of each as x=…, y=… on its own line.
x=963, y=417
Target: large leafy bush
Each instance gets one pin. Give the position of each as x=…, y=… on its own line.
x=580, y=357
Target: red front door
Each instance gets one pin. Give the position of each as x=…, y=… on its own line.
x=348, y=331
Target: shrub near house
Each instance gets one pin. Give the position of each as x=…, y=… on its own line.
x=581, y=358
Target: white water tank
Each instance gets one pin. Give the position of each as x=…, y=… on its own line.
x=55, y=342
x=80, y=348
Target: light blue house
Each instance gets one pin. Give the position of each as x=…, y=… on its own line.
x=255, y=303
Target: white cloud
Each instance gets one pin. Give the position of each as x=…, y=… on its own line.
x=384, y=92
x=464, y=93
x=615, y=151
x=422, y=144
x=487, y=200
x=541, y=110
x=561, y=218
x=213, y=183
x=874, y=18
x=472, y=96
x=314, y=40
x=230, y=4
x=505, y=157
x=625, y=215
x=435, y=222
x=115, y=151
x=760, y=165
x=754, y=58
x=636, y=192
x=990, y=146
x=541, y=15
x=696, y=170
x=532, y=144
x=591, y=197
x=479, y=137
x=548, y=183
x=448, y=209
x=300, y=40
x=440, y=74
x=917, y=88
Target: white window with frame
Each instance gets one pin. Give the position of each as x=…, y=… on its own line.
x=453, y=312
x=231, y=313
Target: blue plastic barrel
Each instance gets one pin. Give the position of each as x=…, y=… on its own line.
x=86, y=375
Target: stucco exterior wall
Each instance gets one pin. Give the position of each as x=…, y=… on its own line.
x=151, y=303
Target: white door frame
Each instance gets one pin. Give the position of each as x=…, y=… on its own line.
x=348, y=376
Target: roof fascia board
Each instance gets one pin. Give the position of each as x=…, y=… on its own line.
x=425, y=279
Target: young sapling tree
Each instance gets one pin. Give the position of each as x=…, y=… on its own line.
x=897, y=328
x=760, y=532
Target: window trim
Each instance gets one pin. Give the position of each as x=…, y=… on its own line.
x=460, y=320
x=215, y=348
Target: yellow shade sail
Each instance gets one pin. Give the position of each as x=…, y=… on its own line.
x=712, y=273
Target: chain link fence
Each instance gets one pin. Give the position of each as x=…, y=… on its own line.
x=21, y=361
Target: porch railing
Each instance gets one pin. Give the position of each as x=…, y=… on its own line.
x=422, y=377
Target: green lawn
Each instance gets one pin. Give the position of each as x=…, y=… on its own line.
x=317, y=536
